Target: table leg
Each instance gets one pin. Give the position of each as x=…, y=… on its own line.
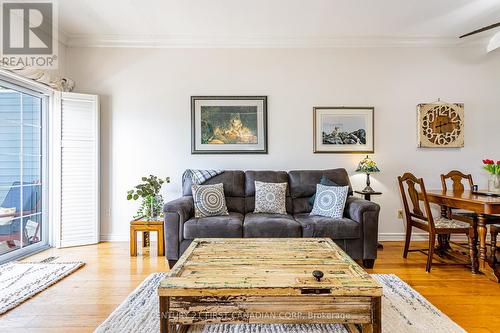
x=165, y=326
x=376, y=325
x=473, y=247
x=133, y=242
x=160, y=246
x=484, y=265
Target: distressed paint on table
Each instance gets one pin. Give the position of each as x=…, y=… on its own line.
x=256, y=280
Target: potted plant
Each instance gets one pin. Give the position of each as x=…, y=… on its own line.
x=494, y=179
x=149, y=192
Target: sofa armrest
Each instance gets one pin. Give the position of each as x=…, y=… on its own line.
x=366, y=213
x=176, y=212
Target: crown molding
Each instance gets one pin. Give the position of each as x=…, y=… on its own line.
x=261, y=41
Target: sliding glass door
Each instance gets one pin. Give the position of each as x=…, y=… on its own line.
x=22, y=171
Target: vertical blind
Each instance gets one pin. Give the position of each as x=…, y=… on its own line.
x=79, y=154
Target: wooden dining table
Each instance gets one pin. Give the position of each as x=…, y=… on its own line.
x=480, y=204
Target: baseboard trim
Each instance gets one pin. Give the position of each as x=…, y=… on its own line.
x=417, y=236
x=385, y=236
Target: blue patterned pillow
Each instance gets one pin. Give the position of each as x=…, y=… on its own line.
x=330, y=201
x=209, y=200
x=323, y=181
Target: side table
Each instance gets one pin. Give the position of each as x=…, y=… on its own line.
x=368, y=196
x=146, y=225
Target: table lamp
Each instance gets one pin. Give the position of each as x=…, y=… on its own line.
x=368, y=166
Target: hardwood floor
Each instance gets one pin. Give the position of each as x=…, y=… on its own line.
x=80, y=302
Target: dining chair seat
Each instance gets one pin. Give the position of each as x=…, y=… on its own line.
x=441, y=222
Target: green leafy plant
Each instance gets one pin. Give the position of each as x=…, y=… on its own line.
x=149, y=192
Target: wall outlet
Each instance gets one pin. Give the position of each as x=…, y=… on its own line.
x=400, y=214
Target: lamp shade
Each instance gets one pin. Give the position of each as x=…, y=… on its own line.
x=367, y=165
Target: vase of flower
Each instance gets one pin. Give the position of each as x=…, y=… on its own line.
x=494, y=183
x=494, y=177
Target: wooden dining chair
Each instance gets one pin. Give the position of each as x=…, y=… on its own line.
x=412, y=192
x=494, y=230
x=457, y=177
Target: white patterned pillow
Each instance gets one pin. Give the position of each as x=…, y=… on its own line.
x=270, y=197
x=330, y=201
x=209, y=200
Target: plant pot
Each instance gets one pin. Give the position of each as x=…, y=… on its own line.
x=494, y=183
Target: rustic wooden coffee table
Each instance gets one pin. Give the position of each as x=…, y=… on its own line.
x=268, y=281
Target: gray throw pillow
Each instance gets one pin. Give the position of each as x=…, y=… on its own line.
x=209, y=200
x=270, y=197
x=330, y=201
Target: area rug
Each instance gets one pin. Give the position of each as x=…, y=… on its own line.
x=22, y=280
x=403, y=310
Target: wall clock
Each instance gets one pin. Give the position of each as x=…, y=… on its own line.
x=440, y=125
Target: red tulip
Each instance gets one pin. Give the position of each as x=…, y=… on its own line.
x=498, y=162
x=485, y=161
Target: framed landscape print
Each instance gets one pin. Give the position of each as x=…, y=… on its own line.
x=440, y=125
x=343, y=130
x=229, y=124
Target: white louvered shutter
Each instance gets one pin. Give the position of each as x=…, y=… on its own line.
x=79, y=170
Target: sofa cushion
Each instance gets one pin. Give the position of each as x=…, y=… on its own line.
x=302, y=185
x=303, y=182
x=321, y=226
x=263, y=176
x=267, y=177
x=233, y=180
x=236, y=204
x=270, y=225
x=214, y=226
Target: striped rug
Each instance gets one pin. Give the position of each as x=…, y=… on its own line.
x=403, y=310
x=22, y=280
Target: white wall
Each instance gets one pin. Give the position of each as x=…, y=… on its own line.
x=145, y=110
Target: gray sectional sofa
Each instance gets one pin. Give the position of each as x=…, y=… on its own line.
x=355, y=233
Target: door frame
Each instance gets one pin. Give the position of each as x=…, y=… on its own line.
x=27, y=86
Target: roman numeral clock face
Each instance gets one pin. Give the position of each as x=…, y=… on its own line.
x=440, y=125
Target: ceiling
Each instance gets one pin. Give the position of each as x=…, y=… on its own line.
x=165, y=23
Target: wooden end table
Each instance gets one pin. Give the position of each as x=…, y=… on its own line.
x=146, y=225
x=368, y=195
x=263, y=280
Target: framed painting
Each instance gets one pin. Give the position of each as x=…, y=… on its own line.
x=343, y=130
x=440, y=125
x=229, y=124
